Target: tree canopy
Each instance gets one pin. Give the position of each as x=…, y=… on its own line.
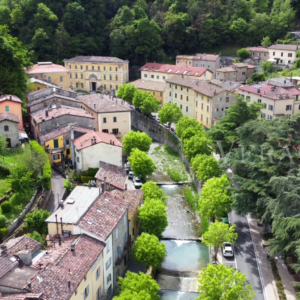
x=170, y=113
x=152, y=191
x=138, y=140
x=149, y=250
x=36, y=220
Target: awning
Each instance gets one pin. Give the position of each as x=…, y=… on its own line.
x=272, y=59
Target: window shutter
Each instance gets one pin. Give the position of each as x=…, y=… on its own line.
x=88, y=287
x=99, y=271
x=97, y=275
x=84, y=295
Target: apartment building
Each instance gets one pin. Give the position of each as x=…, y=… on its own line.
x=202, y=60
x=279, y=96
x=258, y=54
x=52, y=73
x=156, y=88
x=161, y=72
x=202, y=100
x=111, y=114
x=92, y=73
x=283, y=54
x=238, y=72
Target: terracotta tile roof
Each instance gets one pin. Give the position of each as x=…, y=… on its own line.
x=115, y=176
x=174, y=69
x=6, y=265
x=104, y=215
x=134, y=197
x=40, y=115
x=284, y=47
x=204, y=87
x=259, y=49
x=48, y=91
x=102, y=103
x=226, y=84
x=226, y=69
x=209, y=57
x=185, y=56
x=101, y=59
x=6, y=116
x=42, y=99
x=58, y=132
x=149, y=85
x=85, y=140
x=46, y=67
x=9, y=98
x=22, y=243
x=270, y=91
x=23, y=296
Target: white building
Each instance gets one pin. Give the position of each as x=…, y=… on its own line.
x=283, y=54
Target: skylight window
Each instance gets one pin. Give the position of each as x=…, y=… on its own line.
x=106, y=199
x=98, y=210
x=177, y=71
x=169, y=70
x=184, y=72
x=89, y=222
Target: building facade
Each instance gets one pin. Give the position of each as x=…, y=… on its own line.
x=111, y=114
x=9, y=128
x=259, y=54
x=202, y=60
x=238, y=72
x=92, y=73
x=52, y=73
x=13, y=105
x=283, y=54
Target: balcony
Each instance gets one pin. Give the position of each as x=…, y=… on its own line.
x=56, y=150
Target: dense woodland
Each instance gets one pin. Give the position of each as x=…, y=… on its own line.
x=143, y=31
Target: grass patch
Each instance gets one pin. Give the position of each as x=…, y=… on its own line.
x=10, y=156
x=192, y=198
x=279, y=285
x=4, y=186
x=177, y=176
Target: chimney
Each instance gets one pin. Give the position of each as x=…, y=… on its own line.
x=10, y=97
x=73, y=247
x=69, y=284
x=61, y=203
x=94, y=105
x=46, y=113
x=113, y=142
x=102, y=188
x=29, y=285
x=125, y=186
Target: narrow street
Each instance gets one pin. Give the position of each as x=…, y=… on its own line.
x=57, y=185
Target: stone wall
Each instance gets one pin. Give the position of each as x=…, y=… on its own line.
x=162, y=135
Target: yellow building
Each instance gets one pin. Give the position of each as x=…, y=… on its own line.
x=156, y=88
x=185, y=60
x=38, y=84
x=92, y=73
x=205, y=101
x=52, y=73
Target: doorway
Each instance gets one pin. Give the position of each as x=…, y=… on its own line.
x=94, y=86
x=8, y=143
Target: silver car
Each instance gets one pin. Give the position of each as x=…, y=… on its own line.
x=227, y=249
x=137, y=182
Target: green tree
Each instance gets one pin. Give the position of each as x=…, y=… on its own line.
x=205, y=167
x=141, y=164
x=36, y=236
x=136, y=140
x=152, y=191
x=184, y=123
x=243, y=53
x=21, y=178
x=3, y=221
x=149, y=251
x=192, y=131
x=266, y=42
x=170, y=113
x=138, y=98
x=197, y=145
x=139, y=285
x=3, y=144
x=221, y=282
x=266, y=66
x=36, y=220
x=153, y=217
x=150, y=104
x=215, y=197
x=217, y=234
x=239, y=29
x=126, y=91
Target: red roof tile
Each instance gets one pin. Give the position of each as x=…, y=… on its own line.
x=102, y=59
x=46, y=67
x=104, y=215
x=115, y=176
x=22, y=243
x=85, y=140
x=6, y=265
x=6, y=116
x=174, y=69
x=9, y=98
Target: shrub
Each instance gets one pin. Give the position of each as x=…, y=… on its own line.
x=176, y=176
x=91, y=172
x=6, y=207
x=47, y=175
x=3, y=221
x=3, y=232
x=191, y=199
x=86, y=179
x=36, y=236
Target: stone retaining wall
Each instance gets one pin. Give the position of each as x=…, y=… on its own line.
x=162, y=135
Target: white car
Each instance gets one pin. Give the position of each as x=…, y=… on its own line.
x=130, y=175
x=137, y=182
x=227, y=249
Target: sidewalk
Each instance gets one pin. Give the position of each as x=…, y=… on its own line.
x=268, y=282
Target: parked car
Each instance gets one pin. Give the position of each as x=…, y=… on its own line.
x=130, y=175
x=137, y=182
x=227, y=249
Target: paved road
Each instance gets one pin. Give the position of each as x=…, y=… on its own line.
x=245, y=260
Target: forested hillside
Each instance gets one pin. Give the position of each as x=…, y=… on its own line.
x=140, y=30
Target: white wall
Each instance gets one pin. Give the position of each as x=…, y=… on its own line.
x=108, y=255
x=283, y=56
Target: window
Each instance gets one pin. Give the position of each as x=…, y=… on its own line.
x=281, y=54
x=117, y=233
x=145, y=75
x=227, y=99
x=176, y=86
x=75, y=75
x=206, y=120
x=86, y=67
x=152, y=76
x=108, y=263
x=6, y=128
x=175, y=95
x=187, y=90
x=290, y=54
x=116, y=69
x=86, y=292
x=61, y=79
x=270, y=107
x=70, y=75
x=93, y=68
x=133, y=231
x=104, y=68
x=55, y=156
x=108, y=278
x=67, y=142
x=98, y=273
x=99, y=293
x=49, y=79
x=247, y=97
x=180, y=106
x=288, y=107
x=98, y=68
x=55, y=143
x=81, y=67
x=76, y=67
x=187, y=109
x=208, y=66
x=243, y=73
x=153, y=93
x=115, y=119
x=81, y=75
x=187, y=98
x=82, y=85
x=201, y=105
x=116, y=77
x=78, y=159
x=180, y=97
x=104, y=77
x=105, y=86
x=104, y=120
x=164, y=77
x=217, y=109
x=196, y=103
x=263, y=116
x=117, y=87
x=6, y=108
x=70, y=66
x=161, y=94
x=189, y=62
x=201, y=117
x=273, y=53
x=207, y=108
x=109, y=68
x=110, y=87
x=170, y=94
x=157, y=76
x=110, y=78
x=106, y=131
x=258, y=100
